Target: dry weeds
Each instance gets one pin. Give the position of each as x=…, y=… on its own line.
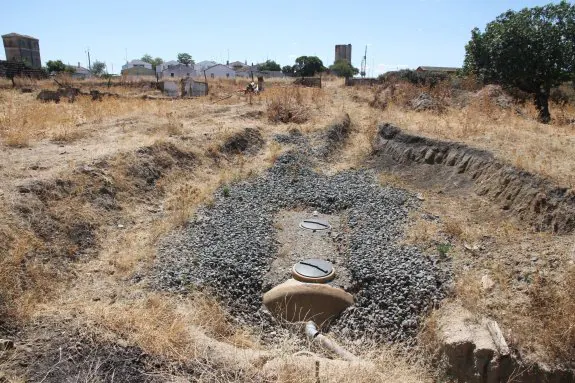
x=175, y=328
x=513, y=136
x=286, y=105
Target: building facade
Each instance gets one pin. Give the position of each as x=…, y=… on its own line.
x=22, y=48
x=220, y=70
x=203, y=65
x=81, y=73
x=173, y=69
x=343, y=52
x=137, y=64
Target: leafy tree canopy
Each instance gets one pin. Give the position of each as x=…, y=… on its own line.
x=288, y=70
x=308, y=66
x=58, y=66
x=98, y=68
x=532, y=50
x=154, y=61
x=343, y=68
x=270, y=65
x=185, y=58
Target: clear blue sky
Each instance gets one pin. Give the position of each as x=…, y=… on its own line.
x=404, y=33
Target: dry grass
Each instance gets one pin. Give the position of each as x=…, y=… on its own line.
x=518, y=139
x=385, y=365
x=540, y=323
x=552, y=308
x=286, y=105
x=422, y=231
x=164, y=326
x=24, y=120
x=24, y=282
x=104, y=298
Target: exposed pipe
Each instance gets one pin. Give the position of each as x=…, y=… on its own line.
x=313, y=334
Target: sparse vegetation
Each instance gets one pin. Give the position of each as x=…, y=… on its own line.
x=443, y=249
x=149, y=164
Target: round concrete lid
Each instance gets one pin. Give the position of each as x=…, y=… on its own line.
x=314, y=224
x=313, y=270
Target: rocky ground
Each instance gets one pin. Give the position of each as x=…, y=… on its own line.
x=228, y=247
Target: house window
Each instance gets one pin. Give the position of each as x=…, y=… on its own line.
x=171, y=75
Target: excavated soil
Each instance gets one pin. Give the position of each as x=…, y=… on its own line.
x=529, y=197
x=249, y=140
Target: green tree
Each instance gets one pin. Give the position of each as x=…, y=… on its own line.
x=185, y=58
x=270, y=65
x=532, y=50
x=288, y=70
x=343, y=68
x=98, y=68
x=57, y=66
x=154, y=61
x=308, y=66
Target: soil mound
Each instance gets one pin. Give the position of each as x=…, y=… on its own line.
x=250, y=140
x=335, y=136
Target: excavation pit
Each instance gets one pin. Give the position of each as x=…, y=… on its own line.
x=246, y=242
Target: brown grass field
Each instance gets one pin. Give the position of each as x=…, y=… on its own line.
x=46, y=290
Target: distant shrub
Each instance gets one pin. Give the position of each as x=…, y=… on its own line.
x=414, y=77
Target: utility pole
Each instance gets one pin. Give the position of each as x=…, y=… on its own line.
x=89, y=64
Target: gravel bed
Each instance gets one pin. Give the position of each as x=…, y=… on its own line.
x=228, y=247
x=294, y=136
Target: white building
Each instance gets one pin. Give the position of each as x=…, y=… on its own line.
x=173, y=69
x=137, y=64
x=220, y=70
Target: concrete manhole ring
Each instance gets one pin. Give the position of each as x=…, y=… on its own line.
x=313, y=271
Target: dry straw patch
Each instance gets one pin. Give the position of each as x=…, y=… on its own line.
x=24, y=120
x=21, y=288
x=286, y=105
x=380, y=364
x=522, y=141
x=552, y=307
x=164, y=326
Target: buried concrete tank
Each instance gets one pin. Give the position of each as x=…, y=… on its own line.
x=307, y=296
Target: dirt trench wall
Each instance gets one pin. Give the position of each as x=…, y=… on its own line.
x=531, y=198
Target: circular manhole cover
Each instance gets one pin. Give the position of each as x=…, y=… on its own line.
x=314, y=224
x=313, y=270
